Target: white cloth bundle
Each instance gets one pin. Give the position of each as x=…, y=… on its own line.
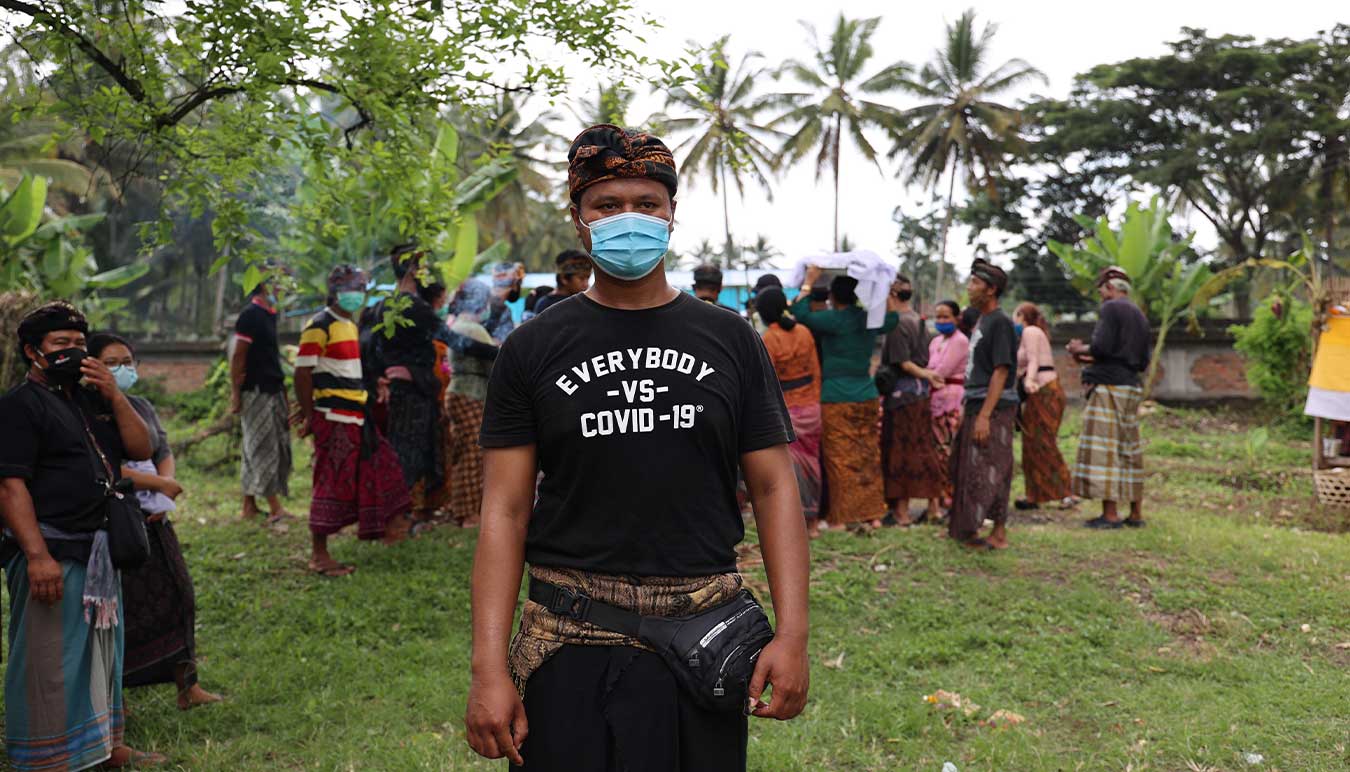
x=874, y=277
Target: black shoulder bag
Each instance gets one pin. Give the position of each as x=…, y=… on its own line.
x=712, y=654
x=128, y=544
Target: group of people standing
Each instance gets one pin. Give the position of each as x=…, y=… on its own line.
x=949, y=405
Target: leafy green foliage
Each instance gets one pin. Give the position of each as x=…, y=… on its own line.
x=224, y=96
x=51, y=258
x=1278, y=349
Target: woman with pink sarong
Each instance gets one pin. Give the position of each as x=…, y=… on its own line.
x=947, y=355
x=792, y=349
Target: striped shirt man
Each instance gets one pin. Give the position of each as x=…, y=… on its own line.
x=330, y=344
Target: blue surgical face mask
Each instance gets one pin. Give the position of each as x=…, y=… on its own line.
x=945, y=328
x=126, y=376
x=351, y=300
x=630, y=245
x=1018, y=327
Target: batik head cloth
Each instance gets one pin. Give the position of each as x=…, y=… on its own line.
x=990, y=274
x=606, y=152
x=1112, y=272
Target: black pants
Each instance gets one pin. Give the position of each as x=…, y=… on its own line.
x=618, y=709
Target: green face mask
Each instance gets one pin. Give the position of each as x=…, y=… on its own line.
x=351, y=301
x=443, y=311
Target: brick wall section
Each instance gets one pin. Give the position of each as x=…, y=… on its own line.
x=1222, y=373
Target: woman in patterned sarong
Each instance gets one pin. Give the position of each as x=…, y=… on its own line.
x=792, y=349
x=947, y=355
x=472, y=352
x=160, y=606
x=1047, y=476
x=850, y=439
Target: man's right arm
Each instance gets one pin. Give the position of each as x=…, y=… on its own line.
x=16, y=509
x=495, y=722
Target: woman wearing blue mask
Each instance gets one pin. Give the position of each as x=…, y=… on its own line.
x=948, y=353
x=158, y=598
x=639, y=405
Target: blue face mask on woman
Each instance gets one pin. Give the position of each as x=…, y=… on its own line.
x=630, y=245
x=126, y=376
x=945, y=328
x=1018, y=327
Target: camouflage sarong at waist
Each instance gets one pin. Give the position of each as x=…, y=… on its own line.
x=543, y=633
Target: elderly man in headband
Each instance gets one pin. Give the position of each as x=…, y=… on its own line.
x=982, y=455
x=632, y=394
x=1110, y=463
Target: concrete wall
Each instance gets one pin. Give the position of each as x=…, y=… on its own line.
x=1194, y=367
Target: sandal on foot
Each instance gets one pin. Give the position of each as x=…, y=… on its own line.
x=978, y=545
x=1135, y=523
x=331, y=571
x=1102, y=523
x=1026, y=504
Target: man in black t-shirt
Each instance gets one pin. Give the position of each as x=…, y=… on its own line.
x=258, y=396
x=1110, y=458
x=982, y=455
x=639, y=405
x=708, y=285
x=68, y=428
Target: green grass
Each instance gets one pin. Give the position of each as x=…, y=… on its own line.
x=1176, y=647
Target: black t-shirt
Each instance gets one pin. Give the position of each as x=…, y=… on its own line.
x=262, y=363
x=993, y=343
x=412, y=345
x=45, y=447
x=640, y=418
x=548, y=301
x=1119, y=345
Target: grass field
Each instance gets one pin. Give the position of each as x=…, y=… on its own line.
x=1218, y=638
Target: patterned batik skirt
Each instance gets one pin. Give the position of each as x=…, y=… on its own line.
x=805, y=453
x=981, y=474
x=63, y=682
x=1043, y=466
x=265, y=458
x=357, y=479
x=415, y=432
x=1110, y=458
x=909, y=455
x=945, y=428
x=852, y=457
x=464, y=458
x=160, y=608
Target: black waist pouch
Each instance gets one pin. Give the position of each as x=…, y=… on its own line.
x=711, y=654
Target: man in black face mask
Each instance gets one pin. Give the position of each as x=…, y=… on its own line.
x=68, y=428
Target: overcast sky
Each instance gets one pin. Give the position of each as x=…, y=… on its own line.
x=1060, y=38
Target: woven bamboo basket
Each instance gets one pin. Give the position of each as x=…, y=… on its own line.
x=1333, y=487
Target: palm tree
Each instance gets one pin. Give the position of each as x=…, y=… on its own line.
x=502, y=130
x=960, y=124
x=760, y=253
x=833, y=108
x=724, y=130
x=611, y=105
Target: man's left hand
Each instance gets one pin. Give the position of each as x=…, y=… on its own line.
x=783, y=666
x=981, y=431
x=98, y=375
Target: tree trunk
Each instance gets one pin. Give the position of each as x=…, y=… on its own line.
x=218, y=318
x=946, y=226
x=726, y=212
x=838, y=125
